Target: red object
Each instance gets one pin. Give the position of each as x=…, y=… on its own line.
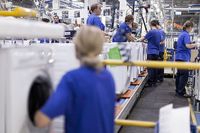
x=127, y=94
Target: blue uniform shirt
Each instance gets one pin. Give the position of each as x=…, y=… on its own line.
x=44, y=40
x=154, y=39
x=86, y=98
x=95, y=21
x=162, y=46
x=182, y=52
x=120, y=35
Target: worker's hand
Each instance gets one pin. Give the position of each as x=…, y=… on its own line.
x=137, y=40
x=162, y=42
x=195, y=45
x=41, y=120
x=140, y=39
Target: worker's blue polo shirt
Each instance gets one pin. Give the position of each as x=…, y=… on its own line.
x=86, y=98
x=44, y=40
x=182, y=52
x=154, y=39
x=162, y=46
x=120, y=35
x=95, y=21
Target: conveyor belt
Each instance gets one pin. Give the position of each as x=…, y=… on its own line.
x=151, y=100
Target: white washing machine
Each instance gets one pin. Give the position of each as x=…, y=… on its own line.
x=134, y=57
x=142, y=53
x=120, y=73
x=25, y=85
x=64, y=61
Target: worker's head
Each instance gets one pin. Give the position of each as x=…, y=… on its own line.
x=157, y=24
x=129, y=19
x=153, y=24
x=96, y=9
x=56, y=19
x=134, y=26
x=88, y=43
x=188, y=26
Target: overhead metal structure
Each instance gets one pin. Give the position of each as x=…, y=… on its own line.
x=71, y=4
x=188, y=9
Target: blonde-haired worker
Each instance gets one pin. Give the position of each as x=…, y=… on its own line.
x=85, y=96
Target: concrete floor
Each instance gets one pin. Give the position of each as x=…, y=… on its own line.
x=151, y=100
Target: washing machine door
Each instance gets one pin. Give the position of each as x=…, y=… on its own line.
x=39, y=93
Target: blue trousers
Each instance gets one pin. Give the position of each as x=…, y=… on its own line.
x=152, y=72
x=161, y=71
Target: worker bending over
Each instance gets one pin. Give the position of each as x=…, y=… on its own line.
x=124, y=32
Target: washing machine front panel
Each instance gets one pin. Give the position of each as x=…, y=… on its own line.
x=23, y=71
x=18, y=120
x=29, y=57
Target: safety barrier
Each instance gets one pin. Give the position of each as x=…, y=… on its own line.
x=19, y=12
x=150, y=124
x=146, y=124
x=154, y=64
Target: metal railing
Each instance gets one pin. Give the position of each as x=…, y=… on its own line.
x=154, y=64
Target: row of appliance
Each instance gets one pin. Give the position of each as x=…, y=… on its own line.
x=29, y=74
x=123, y=75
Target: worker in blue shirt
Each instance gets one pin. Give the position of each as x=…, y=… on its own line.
x=94, y=18
x=160, y=73
x=183, y=54
x=154, y=39
x=86, y=95
x=124, y=32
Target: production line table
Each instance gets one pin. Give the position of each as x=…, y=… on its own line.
x=126, y=103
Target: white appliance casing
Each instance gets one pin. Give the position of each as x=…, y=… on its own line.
x=64, y=61
x=19, y=68
x=120, y=73
x=134, y=57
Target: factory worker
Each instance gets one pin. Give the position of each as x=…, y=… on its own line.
x=183, y=54
x=160, y=73
x=94, y=18
x=154, y=39
x=124, y=32
x=86, y=95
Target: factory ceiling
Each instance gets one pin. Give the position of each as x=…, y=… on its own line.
x=180, y=3
x=182, y=16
